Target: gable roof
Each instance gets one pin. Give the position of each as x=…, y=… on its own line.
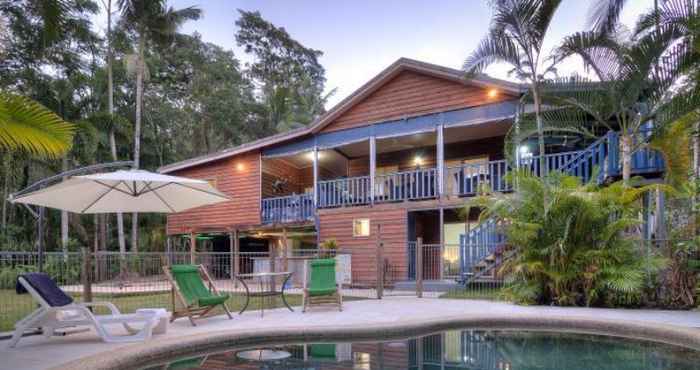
x=402, y=64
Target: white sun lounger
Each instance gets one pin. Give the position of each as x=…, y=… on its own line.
x=58, y=311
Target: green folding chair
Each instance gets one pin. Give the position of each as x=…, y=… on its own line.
x=322, y=288
x=196, y=300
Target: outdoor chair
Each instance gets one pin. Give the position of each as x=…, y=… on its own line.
x=58, y=310
x=322, y=288
x=196, y=300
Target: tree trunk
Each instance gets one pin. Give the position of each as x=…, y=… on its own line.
x=5, y=193
x=110, y=110
x=540, y=133
x=137, y=132
x=696, y=175
x=626, y=152
x=64, y=216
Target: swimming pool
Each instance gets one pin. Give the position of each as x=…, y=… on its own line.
x=452, y=350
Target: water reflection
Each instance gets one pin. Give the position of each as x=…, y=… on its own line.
x=459, y=349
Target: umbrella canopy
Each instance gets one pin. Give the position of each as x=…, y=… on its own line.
x=125, y=191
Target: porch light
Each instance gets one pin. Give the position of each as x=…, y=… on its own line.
x=310, y=156
x=418, y=160
x=524, y=151
x=492, y=93
x=240, y=166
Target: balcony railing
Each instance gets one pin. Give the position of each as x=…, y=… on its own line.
x=291, y=208
x=351, y=191
x=407, y=185
x=464, y=180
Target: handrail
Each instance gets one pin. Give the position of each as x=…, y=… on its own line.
x=289, y=208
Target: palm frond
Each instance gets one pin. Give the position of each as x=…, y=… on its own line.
x=605, y=15
x=599, y=52
x=26, y=125
x=492, y=49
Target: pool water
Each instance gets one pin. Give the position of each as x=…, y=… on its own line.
x=457, y=349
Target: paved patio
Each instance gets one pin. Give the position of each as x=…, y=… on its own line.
x=38, y=352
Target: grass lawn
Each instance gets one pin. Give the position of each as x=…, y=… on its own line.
x=474, y=293
x=13, y=307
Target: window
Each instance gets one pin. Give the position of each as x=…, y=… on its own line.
x=360, y=227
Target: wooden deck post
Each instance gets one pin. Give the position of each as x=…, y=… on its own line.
x=285, y=250
x=442, y=244
x=236, y=256
x=419, y=267
x=193, y=247
x=380, y=263
x=440, y=159
x=315, y=173
x=372, y=167
x=232, y=254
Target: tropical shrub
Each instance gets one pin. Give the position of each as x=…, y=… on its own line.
x=9, y=274
x=573, y=243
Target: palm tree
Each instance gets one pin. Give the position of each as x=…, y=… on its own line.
x=634, y=87
x=26, y=125
x=516, y=36
x=112, y=126
x=153, y=22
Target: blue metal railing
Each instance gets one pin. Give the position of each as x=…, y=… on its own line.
x=291, y=208
x=463, y=180
x=351, y=191
x=407, y=185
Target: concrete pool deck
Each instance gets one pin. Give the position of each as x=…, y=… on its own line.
x=359, y=317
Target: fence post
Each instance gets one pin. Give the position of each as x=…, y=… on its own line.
x=236, y=256
x=193, y=247
x=380, y=264
x=285, y=250
x=273, y=255
x=232, y=258
x=419, y=267
x=85, y=275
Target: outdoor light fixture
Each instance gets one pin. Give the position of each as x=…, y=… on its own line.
x=418, y=160
x=240, y=166
x=493, y=93
x=524, y=151
x=310, y=155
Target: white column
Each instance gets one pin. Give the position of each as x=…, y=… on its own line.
x=315, y=159
x=372, y=166
x=440, y=160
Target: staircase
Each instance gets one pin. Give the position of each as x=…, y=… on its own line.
x=484, y=248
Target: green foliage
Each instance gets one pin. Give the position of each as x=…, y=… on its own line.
x=570, y=242
x=288, y=74
x=29, y=126
x=9, y=274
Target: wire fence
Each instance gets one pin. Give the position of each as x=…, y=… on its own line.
x=132, y=281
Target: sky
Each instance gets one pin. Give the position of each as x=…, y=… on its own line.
x=360, y=38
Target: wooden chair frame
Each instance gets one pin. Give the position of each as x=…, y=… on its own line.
x=192, y=311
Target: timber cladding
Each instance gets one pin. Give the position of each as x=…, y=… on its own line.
x=410, y=94
x=338, y=224
x=239, y=178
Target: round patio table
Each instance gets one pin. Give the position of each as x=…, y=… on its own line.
x=265, y=285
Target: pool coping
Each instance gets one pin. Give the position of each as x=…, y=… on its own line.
x=134, y=356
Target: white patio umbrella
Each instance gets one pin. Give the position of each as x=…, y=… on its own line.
x=124, y=191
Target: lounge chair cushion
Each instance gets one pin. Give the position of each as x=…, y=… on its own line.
x=213, y=300
x=46, y=287
x=322, y=277
x=192, y=287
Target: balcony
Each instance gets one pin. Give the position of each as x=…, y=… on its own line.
x=413, y=175
x=287, y=209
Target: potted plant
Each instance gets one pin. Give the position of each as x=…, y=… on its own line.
x=328, y=248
